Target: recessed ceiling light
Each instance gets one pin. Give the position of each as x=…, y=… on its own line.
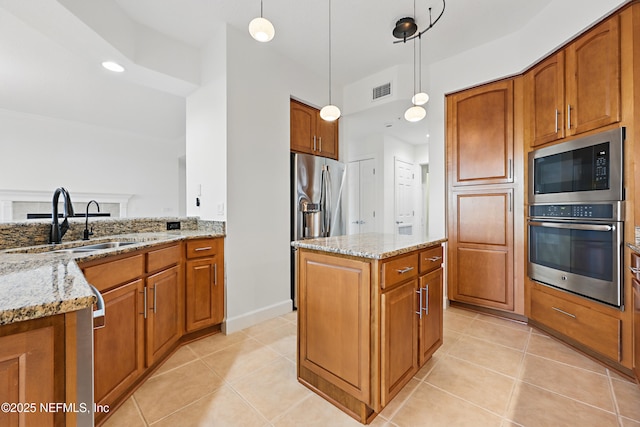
x=113, y=66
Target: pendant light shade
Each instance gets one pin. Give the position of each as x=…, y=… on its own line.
x=415, y=114
x=261, y=28
x=420, y=98
x=330, y=112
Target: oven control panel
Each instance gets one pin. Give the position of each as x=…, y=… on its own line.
x=588, y=211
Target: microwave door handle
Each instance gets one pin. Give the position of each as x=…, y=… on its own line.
x=588, y=227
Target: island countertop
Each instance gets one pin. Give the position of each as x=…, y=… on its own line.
x=368, y=245
x=37, y=282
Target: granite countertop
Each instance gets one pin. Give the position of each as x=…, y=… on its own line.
x=368, y=245
x=37, y=282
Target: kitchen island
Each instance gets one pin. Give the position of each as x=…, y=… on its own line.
x=369, y=316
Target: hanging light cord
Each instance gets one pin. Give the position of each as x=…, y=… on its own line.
x=431, y=24
x=330, y=52
x=414, y=54
x=261, y=16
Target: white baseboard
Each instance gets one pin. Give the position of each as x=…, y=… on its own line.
x=237, y=323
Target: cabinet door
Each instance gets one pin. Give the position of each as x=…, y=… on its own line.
x=204, y=292
x=119, y=345
x=27, y=368
x=481, y=248
x=303, y=128
x=163, y=312
x=636, y=328
x=430, y=328
x=334, y=322
x=544, y=86
x=399, y=338
x=593, y=78
x=480, y=131
x=327, y=138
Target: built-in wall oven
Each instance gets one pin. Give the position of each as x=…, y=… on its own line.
x=576, y=216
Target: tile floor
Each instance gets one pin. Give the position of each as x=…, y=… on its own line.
x=489, y=372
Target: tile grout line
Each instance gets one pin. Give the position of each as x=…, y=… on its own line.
x=139, y=410
x=518, y=377
x=614, y=398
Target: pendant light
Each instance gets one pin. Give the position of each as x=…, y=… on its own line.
x=330, y=112
x=421, y=97
x=261, y=29
x=415, y=113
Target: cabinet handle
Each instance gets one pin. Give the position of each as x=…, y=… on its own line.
x=215, y=274
x=155, y=294
x=635, y=270
x=564, y=312
x=557, y=130
x=426, y=306
x=314, y=143
x=206, y=248
x=145, y=302
x=568, y=116
x=434, y=259
x=320, y=144
x=419, y=312
x=405, y=270
x=510, y=169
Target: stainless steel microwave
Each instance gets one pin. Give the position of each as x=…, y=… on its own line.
x=586, y=169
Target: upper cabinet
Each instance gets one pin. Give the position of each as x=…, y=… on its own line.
x=578, y=88
x=310, y=133
x=480, y=126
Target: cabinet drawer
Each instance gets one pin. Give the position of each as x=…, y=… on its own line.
x=203, y=247
x=594, y=329
x=110, y=274
x=398, y=270
x=162, y=258
x=635, y=265
x=430, y=259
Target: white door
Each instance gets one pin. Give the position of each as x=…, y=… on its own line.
x=361, y=201
x=404, y=197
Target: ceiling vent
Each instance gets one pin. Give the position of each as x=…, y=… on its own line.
x=381, y=91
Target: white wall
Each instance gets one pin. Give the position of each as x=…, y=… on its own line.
x=42, y=153
x=556, y=24
x=252, y=175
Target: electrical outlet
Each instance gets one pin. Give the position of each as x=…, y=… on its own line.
x=173, y=225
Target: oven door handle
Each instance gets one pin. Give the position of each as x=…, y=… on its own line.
x=589, y=227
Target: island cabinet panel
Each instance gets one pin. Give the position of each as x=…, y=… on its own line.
x=334, y=321
x=32, y=372
x=481, y=248
x=399, y=338
x=367, y=325
x=119, y=345
x=204, y=283
x=481, y=135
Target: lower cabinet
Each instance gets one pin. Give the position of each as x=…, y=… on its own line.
x=163, y=326
x=205, y=283
x=636, y=328
x=367, y=326
x=32, y=371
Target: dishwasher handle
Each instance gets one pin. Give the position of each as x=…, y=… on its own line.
x=99, y=315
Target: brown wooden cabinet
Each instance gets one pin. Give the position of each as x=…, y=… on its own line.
x=480, y=135
x=32, y=371
x=635, y=283
x=311, y=134
x=163, y=326
x=578, y=88
x=481, y=247
x=367, y=326
x=204, y=283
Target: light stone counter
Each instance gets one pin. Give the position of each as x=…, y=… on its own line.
x=36, y=282
x=368, y=245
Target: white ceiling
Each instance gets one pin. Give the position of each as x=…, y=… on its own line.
x=48, y=55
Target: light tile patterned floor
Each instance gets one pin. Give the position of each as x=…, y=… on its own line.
x=489, y=372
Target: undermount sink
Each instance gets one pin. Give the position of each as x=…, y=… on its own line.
x=96, y=247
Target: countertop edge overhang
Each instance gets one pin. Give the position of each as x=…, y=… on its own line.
x=368, y=245
x=36, y=282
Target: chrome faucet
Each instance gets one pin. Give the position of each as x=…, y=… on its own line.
x=57, y=229
x=87, y=233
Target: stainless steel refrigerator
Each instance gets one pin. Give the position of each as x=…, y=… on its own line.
x=317, y=185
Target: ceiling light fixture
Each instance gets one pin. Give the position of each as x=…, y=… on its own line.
x=261, y=29
x=113, y=66
x=406, y=27
x=415, y=113
x=330, y=112
x=421, y=97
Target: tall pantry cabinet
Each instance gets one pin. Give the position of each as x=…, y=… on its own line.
x=485, y=193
